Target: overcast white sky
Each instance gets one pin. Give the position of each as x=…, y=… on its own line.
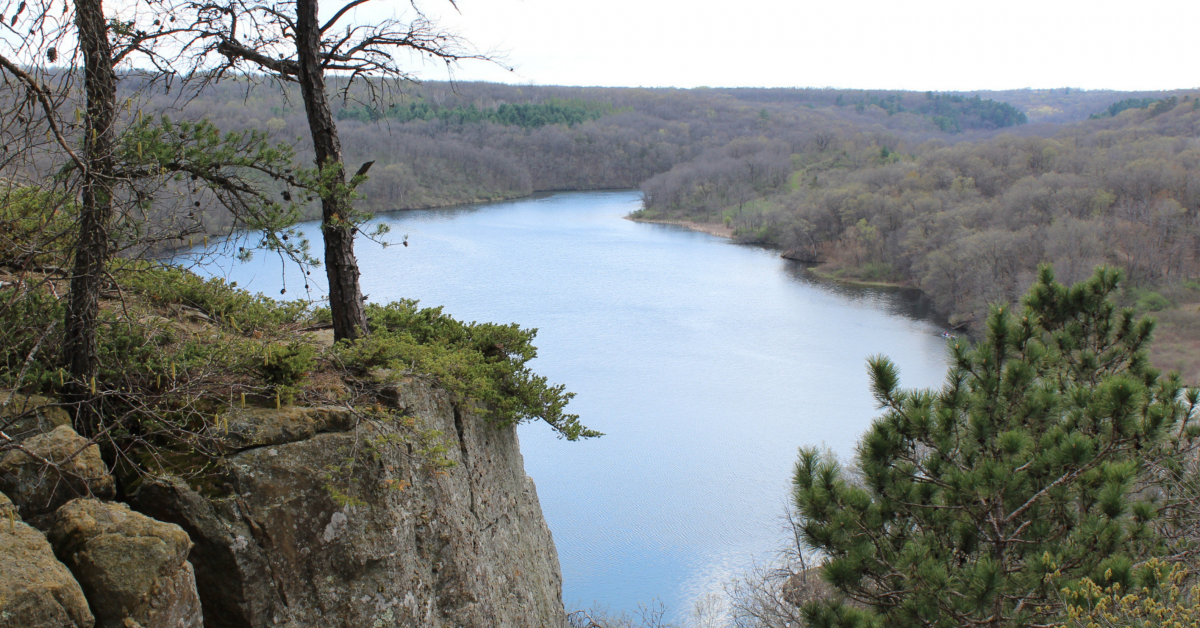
x=882, y=44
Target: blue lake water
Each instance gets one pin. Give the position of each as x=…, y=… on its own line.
x=706, y=364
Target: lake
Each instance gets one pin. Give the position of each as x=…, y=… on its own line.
x=705, y=363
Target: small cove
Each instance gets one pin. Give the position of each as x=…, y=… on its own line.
x=706, y=364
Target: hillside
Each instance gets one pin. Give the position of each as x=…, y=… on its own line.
x=439, y=144
x=969, y=222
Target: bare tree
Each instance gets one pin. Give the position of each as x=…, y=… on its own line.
x=771, y=595
x=287, y=41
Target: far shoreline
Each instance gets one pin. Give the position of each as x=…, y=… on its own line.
x=711, y=228
x=721, y=231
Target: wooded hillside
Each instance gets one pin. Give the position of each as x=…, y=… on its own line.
x=439, y=144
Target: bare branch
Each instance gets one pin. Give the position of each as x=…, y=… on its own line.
x=337, y=16
x=43, y=97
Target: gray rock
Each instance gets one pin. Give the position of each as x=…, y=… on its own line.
x=131, y=567
x=259, y=427
x=36, y=591
x=404, y=543
x=38, y=489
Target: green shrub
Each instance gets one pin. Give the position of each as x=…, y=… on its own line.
x=224, y=303
x=478, y=363
x=1153, y=302
x=284, y=365
x=30, y=317
x=876, y=271
x=36, y=228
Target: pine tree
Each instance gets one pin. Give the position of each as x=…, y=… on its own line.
x=1024, y=465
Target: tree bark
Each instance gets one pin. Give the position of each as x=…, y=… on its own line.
x=94, y=247
x=341, y=267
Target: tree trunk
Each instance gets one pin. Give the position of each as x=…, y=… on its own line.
x=341, y=267
x=94, y=247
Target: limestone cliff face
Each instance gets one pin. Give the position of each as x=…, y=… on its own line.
x=465, y=546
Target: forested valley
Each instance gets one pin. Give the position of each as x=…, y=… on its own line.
x=959, y=194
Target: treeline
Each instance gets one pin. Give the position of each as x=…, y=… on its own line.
x=969, y=222
x=951, y=113
x=438, y=144
x=524, y=115
x=1039, y=105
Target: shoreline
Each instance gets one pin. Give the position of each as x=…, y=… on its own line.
x=711, y=228
x=722, y=231
x=858, y=282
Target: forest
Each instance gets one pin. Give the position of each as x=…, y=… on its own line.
x=968, y=222
x=439, y=144
x=959, y=194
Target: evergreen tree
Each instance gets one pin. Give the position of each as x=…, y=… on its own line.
x=964, y=500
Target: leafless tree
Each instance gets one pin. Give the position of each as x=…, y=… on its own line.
x=288, y=42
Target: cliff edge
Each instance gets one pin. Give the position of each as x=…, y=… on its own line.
x=300, y=542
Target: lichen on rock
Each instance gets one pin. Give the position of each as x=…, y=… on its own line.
x=64, y=465
x=130, y=566
x=36, y=590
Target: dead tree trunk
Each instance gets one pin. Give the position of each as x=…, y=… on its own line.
x=341, y=267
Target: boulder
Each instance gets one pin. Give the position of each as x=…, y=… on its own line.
x=305, y=540
x=132, y=569
x=63, y=466
x=24, y=416
x=36, y=590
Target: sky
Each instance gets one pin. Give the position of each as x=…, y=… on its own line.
x=958, y=45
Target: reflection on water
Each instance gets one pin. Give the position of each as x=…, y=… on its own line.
x=706, y=364
x=901, y=301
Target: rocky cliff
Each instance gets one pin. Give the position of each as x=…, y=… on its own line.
x=407, y=543
x=325, y=517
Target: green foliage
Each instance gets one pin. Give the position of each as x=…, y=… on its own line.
x=36, y=227
x=876, y=271
x=30, y=318
x=965, y=500
x=1122, y=105
x=525, y=115
x=1164, y=106
x=224, y=303
x=287, y=364
x=240, y=171
x=951, y=113
x=1150, y=301
x=478, y=363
